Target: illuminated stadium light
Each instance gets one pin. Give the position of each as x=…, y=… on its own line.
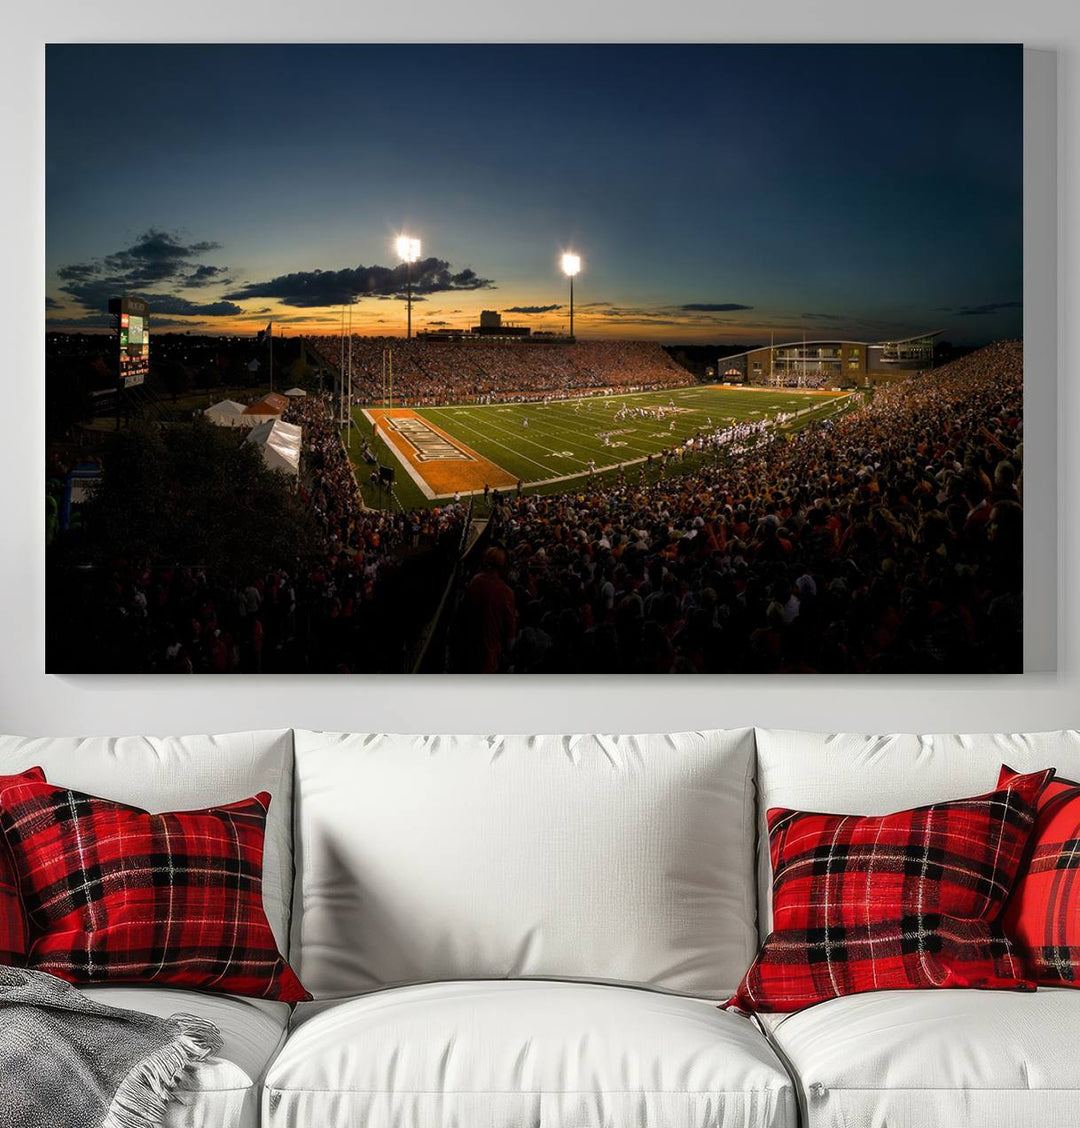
x=571, y=264
x=408, y=250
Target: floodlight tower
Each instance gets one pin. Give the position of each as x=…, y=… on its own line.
x=571, y=264
x=408, y=251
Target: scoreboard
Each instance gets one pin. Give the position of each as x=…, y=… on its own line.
x=134, y=339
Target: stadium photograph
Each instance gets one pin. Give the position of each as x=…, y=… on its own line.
x=587, y=359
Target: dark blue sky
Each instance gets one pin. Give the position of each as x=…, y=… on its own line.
x=864, y=191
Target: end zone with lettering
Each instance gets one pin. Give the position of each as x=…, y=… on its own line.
x=439, y=464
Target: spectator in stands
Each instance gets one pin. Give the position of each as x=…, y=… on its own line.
x=488, y=615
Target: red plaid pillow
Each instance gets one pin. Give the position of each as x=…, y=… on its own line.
x=912, y=899
x=1043, y=914
x=13, y=932
x=117, y=895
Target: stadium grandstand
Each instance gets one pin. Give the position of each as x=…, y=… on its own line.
x=482, y=370
x=888, y=539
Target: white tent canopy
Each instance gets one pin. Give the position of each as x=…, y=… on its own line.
x=227, y=413
x=279, y=445
x=296, y=392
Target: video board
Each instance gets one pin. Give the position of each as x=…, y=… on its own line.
x=134, y=343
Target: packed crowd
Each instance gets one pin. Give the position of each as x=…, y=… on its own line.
x=809, y=380
x=887, y=539
x=441, y=372
x=351, y=607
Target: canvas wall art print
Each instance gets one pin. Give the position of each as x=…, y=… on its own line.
x=570, y=359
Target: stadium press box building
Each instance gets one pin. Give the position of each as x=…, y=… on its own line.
x=829, y=363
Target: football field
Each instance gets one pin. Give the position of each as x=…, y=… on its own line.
x=437, y=451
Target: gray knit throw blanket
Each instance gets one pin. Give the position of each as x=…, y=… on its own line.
x=69, y=1062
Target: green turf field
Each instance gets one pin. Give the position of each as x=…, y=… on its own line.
x=562, y=437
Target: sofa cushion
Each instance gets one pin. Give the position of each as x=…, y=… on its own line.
x=842, y=772
x=516, y=1054
x=181, y=773
x=14, y=932
x=625, y=859
x=904, y=900
x=223, y=1091
x=1043, y=914
x=115, y=894
x=908, y=1059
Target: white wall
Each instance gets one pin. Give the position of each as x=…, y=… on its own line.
x=32, y=703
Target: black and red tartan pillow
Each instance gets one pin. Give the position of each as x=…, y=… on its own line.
x=907, y=900
x=1042, y=917
x=115, y=894
x=13, y=933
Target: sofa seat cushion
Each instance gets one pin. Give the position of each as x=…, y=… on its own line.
x=223, y=1091
x=909, y=1059
x=525, y=1054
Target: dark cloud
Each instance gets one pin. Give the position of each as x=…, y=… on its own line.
x=173, y=303
x=630, y=311
x=78, y=271
x=531, y=309
x=94, y=294
x=660, y=315
x=156, y=259
x=308, y=288
x=713, y=307
x=91, y=321
x=156, y=255
x=108, y=321
x=437, y=323
x=51, y=303
x=648, y=320
x=203, y=275
x=822, y=316
x=990, y=307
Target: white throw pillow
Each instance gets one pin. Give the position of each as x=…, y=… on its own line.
x=625, y=859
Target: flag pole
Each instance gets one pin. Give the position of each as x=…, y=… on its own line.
x=348, y=402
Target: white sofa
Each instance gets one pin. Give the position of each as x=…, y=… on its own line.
x=534, y=932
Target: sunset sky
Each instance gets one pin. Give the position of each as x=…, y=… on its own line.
x=715, y=193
